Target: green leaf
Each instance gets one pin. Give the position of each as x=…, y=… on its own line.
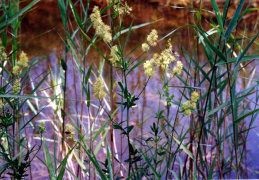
x=248, y=11
x=234, y=19
x=186, y=150
x=234, y=60
x=147, y=161
x=246, y=115
x=73, y=9
x=88, y=97
x=136, y=65
x=88, y=74
x=210, y=176
x=129, y=129
x=218, y=16
x=198, y=16
x=18, y=14
x=104, y=124
x=98, y=146
x=215, y=49
x=63, y=163
x=48, y=160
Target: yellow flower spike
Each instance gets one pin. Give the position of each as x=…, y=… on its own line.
x=178, y=68
x=16, y=70
x=42, y=128
x=114, y=56
x=16, y=86
x=69, y=128
x=101, y=29
x=127, y=9
x=193, y=105
x=70, y=131
x=156, y=60
x=3, y=55
x=98, y=87
x=152, y=38
x=23, y=63
x=187, y=112
x=195, y=96
x=1, y=104
x=145, y=47
x=149, y=69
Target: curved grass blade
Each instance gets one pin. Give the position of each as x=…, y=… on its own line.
x=234, y=19
x=134, y=27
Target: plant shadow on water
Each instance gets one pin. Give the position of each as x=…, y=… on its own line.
x=146, y=135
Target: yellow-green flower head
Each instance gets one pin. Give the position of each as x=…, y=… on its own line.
x=42, y=128
x=187, y=112
x=122, y=9
x=193, y=105
x=119, y=9
x=70, y=131
x=152, y=38
x=23, y=62
x=127, y=9
x=169, y=45
x=156, y=60
x=115, y=1
x=16, y=86
x=186, y=107
x=145, y=47
x=69, y=128
x=98, y=87
x=178, y=68
x=195, y=96
x=16, y=70
x=3, y=55
x=1, y=104
x=149, y=68
x=166, y=59
x=114, y=56
x=176, y=54
x=101, y=29
x=166, y=56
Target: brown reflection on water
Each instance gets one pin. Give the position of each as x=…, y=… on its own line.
x=46, y=18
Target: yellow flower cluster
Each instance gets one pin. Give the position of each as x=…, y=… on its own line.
x=188, y=106
x=16, y=87
x=42, y=128
x=178, y=68
x=160, y=60
x=115, y=1
x=98, y=87
x=149, y=68
x=145, y=47
x=152, y=38
x=3, y=55
x=114, y=56
x=195, y=96
x=101, y=29
x=1, y=104
x=122, y=9
x=70, y=131
x=166, y=56
x=22, y=63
